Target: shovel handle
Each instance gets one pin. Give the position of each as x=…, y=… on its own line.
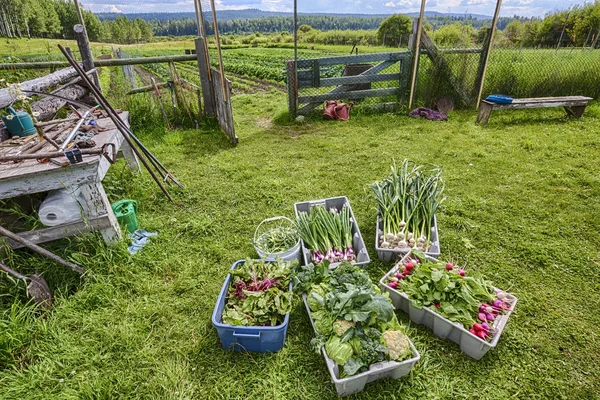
x=29, y=244
x=12, y=272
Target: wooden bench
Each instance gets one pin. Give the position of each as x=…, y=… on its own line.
x=574, y=105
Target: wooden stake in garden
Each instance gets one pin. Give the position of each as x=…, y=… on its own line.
x=487, y=56
x=417, y=54
x=218, y=40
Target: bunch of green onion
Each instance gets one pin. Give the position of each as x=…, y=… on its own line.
x=327, y=233
x=408, y=200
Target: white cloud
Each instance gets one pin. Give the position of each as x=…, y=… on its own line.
x=114, y=9
x=390, y=4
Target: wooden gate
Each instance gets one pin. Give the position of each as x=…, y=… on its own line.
x=319, y=79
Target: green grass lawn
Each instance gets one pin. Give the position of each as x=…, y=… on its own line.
x=523, y=207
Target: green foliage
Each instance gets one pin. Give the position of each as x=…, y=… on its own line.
x=455, y=35
x=258, y=294
x=524, y=190
x=393, y=29
x=350, y=314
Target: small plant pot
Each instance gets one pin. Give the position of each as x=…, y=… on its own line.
x=358, y=244
x=442, y=327
x=356, y=383
x=391, y=255
x=259, y=339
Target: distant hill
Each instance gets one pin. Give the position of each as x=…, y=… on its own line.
x=252, y=13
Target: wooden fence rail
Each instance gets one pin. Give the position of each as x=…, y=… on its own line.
x=100, y=63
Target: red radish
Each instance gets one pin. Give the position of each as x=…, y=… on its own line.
x=473, y=331
x=461, y=272
x=393, y=285
x=437, y=305
x=481, y=316
x=401, y=276
x=482, y=308
x=449, y=266
x=478, y=327
x=406, y=272
x=481, y=334
x=409, y=265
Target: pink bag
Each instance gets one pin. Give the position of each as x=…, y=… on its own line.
x=336, y=110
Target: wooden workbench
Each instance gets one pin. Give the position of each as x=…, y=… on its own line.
x=30, y=176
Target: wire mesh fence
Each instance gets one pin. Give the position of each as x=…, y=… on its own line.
x=543, y=72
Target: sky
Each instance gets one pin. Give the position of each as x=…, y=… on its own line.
x=486, y=7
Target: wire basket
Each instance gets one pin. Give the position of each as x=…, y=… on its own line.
x=277, y=237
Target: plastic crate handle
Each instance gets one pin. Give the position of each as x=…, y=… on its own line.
x=247, y=335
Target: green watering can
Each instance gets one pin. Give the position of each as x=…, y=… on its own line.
x=19, y=123
x=125, y=211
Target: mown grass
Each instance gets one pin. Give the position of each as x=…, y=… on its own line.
x=522, y=207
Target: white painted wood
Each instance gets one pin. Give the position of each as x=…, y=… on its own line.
x=39, y=84
x=130, y=157
x=96, y=204
x=59, y=232
x=31, y=177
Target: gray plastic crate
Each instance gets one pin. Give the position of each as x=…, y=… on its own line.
x=356, y=383
x=442, y=327
x=358, y=244
x=390, y=255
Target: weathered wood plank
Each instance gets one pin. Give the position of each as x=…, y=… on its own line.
x=395, y=56
x=96, y=205
x=224, y=112
x=443, y=67
x=39, y=84
x=62, y=231
x=100, y=63
x=357, y=94
x=536, y=104
x=332, y=94
x=346, y=80
x=205, y=78
x=32, y=177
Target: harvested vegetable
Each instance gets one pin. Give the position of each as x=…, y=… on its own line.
x=275, y=235
x=355, y=322
x=327, y=233
x=408, y=200
x=258, y=294
x=277, y=240
x=468, y=299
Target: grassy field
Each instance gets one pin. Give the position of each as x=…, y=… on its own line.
x=522, y=207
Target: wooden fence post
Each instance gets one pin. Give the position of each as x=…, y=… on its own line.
x=207, y=87
x=292, y=89
x=485, y=49
x=417, y=54
x=85, y=50
x=128, y=71
x=487, y=56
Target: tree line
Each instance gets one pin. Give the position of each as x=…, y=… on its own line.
x=56, y=18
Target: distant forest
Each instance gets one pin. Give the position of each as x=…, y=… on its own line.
x=241, y=22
